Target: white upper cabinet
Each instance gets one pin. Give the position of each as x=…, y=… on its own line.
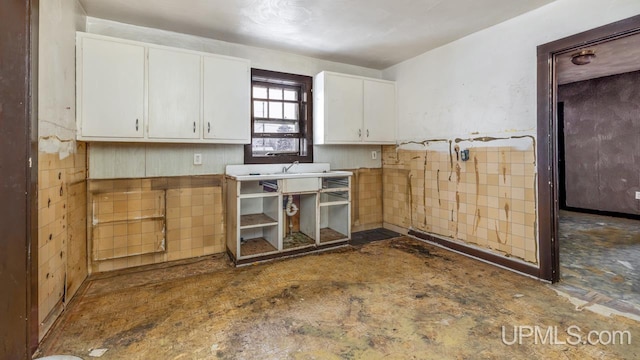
x=226, y=94
x=343, y=104
x=138, y=92
x=110, y=80
x=353, y=110
x=174, y=94
x=379, y=111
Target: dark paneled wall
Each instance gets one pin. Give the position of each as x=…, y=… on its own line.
x=602, y=143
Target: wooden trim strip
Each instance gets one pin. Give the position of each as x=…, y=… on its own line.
x=492, y=258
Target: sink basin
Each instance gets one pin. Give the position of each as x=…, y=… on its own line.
x=299, y=184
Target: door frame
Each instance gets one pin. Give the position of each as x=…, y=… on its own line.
x=547, y=152
x=19, y=179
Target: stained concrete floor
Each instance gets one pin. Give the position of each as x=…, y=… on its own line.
x=599, y=260
x=393, y=299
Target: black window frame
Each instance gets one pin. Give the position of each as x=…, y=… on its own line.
x=305, y=120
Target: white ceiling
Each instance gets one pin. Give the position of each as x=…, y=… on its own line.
x=612, y=57
x=370, y=33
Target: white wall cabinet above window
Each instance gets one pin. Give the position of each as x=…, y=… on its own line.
x=353, y=110
x=138, y=92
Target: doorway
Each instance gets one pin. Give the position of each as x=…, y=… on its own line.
x=556, y=224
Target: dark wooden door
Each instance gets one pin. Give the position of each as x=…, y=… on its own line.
x=18, y=178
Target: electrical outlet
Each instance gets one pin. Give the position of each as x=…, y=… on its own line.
x=637, y=195
x=197, y=159
x=374, y=155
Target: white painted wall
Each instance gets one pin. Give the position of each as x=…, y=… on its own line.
x=59, y=20
x=485, y=83
x=131, y=160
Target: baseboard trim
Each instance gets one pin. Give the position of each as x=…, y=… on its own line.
x=483, y=255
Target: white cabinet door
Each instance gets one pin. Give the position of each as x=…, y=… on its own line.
x=174, y=94
x=343, y=109
x=110, y=89
x=379, y=112
x=227, y=103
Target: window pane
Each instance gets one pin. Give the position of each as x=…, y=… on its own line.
x=290, y=95
x=291, y=111
x=260, y=92
x=287, y=145
x=273, y=146
x=260, y=109
x=275, y=109
x=275, y=93
x=261, y=127
x=279, y=118
x=262, y=147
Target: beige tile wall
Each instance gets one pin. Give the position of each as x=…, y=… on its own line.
x=127, y=222
x=155, y=220
x=61, y=231
x=366, y=199
x=488, y=201
x=77, y=236
x=195, y=217
x=193, y=221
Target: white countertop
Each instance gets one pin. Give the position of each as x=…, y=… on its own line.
x=277, y=176
x=274, y=171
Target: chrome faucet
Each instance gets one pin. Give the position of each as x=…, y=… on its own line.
x=286, y=168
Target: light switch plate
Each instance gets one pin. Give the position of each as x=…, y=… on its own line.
x=197, y=159
x=637, y=195
x=374, y=155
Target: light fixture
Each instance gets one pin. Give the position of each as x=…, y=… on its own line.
x=583, y=57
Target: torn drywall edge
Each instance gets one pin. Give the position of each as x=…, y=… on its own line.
x=519, y=140
x=63, y=129
x=54, y=145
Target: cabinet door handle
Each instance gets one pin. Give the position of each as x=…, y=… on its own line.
x=367, y=132
x=194, y=127
x=359, y=132
x=208, y=127
x=136, y=124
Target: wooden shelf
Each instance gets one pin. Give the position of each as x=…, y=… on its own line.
x=329, y=235
x=297, y=240
x=255, y=247
x=256, y=220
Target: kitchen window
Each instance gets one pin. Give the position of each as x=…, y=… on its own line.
x=281, y=118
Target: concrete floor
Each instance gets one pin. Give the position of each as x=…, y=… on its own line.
x=392, y=299
x=599, y=260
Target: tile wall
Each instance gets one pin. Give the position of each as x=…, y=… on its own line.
x=130, y=217
x=366, y=199
x=488, y=201
x=146, y=221
x=62, y=213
